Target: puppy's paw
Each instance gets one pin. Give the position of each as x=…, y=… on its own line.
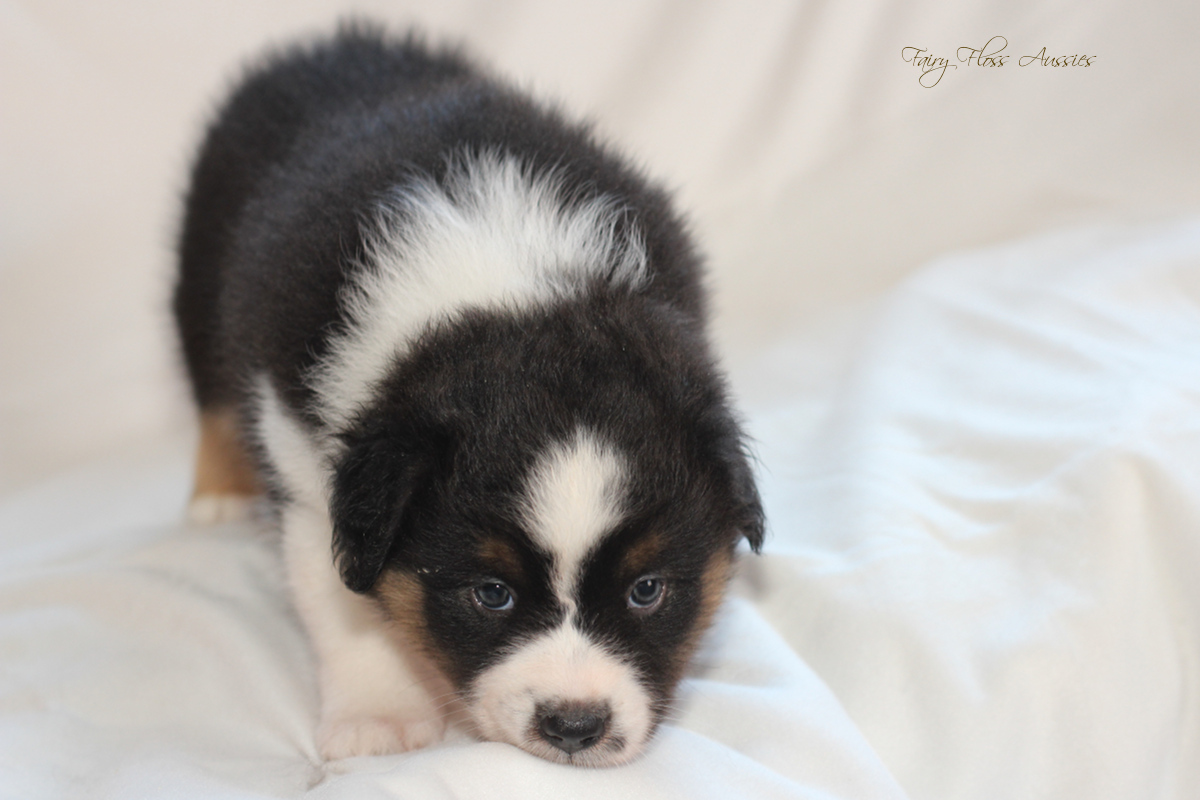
x=374, y=736
x=213, y=509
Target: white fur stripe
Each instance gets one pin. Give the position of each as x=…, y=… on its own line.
x=573, y=498
x=301, y=464
x=493, y=237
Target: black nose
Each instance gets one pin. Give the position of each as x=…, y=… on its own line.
x=573, y=729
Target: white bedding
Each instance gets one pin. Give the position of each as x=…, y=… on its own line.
x=978, y=441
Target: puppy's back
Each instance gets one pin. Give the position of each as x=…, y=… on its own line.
x=303, y=157
x=291, y=96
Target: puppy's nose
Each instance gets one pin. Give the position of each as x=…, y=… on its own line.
x=573, y=729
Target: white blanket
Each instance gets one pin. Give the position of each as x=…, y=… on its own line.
x=981, y=470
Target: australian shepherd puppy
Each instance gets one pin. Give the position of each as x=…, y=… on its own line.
x=460, y=345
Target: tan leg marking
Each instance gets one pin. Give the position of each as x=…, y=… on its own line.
x=226, y=484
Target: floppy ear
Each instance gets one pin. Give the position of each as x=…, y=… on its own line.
x=732, y=452
x=373, y=488
x=750, y=513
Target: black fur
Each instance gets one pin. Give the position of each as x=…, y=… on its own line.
x=302, y=154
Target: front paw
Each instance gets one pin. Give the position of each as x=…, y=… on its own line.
x=374, y=736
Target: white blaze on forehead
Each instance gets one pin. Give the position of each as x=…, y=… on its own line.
x=560, y=668
x=572, y=499
x=492, y=236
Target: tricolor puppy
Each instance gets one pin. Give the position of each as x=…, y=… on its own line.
x=461, y=346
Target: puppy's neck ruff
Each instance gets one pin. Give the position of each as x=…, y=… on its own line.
x=491, y=236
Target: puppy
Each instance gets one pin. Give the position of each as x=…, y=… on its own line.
x=460, y=345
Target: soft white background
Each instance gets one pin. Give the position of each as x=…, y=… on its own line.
x=978, y=456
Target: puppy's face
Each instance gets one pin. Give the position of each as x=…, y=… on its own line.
x=559, y=567
x=565, y=611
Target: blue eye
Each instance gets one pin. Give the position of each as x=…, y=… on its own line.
x=494, y=596
x=647, y=593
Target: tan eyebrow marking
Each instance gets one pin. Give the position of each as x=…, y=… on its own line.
x=641, y=554
x=499, y=553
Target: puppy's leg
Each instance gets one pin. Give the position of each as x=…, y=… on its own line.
x=375, y=696
x=226, y=485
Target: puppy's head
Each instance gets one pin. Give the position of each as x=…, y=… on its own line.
x=553, y=517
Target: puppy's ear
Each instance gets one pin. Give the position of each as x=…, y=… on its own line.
x=733, y=453
x=373, y=490
x=751, y=522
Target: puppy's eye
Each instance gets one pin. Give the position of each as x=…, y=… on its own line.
x=494, y=596
x=647, y=593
